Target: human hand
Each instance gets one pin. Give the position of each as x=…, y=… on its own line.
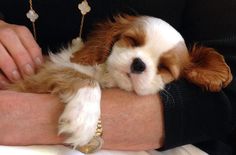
x=20, y=55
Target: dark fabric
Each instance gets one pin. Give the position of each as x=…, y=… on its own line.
x=59, y=20
x=191, y=115
x=205, y=119
x=194, y=116
x=212, y=23
x=1, y=16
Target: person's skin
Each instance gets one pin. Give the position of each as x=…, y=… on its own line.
x=27, y=119
x=19, y=53
x=130, y=122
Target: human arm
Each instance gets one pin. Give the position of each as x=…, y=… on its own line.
x=132, y=122
x=186, y=121
x=32, y=119
x=27, y=119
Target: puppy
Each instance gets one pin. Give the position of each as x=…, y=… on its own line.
x=139, y=54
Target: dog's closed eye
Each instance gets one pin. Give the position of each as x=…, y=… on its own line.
x=131, y=41
x=133, y=38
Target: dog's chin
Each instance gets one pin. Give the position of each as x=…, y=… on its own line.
x=141, y=86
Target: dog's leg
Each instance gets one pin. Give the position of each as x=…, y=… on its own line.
x=80, y=117
x=207, y=69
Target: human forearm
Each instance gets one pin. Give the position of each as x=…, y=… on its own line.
x=131, y=122
x=27, y=119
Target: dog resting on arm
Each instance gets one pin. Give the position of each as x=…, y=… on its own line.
x=140, y=54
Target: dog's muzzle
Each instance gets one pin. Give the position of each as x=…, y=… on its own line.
x=137, y=66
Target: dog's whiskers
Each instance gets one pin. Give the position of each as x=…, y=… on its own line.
x=166, y=93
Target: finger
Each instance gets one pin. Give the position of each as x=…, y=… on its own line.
x=8, y=66
x=18, y=52
x=4, y=82
x=30, y=44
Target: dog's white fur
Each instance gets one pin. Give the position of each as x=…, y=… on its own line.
x=81, y=120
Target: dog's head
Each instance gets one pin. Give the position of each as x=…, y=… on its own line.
x=143, y=52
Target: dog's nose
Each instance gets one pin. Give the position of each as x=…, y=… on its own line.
x=137, y=66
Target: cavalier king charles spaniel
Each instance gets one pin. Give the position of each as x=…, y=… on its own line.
x=140, y=54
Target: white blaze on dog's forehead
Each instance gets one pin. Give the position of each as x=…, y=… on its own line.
x=161, y=34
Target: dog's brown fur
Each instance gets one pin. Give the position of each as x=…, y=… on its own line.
x=207, y=69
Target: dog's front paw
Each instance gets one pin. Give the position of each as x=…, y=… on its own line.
x=79, y=130
x=80, y=117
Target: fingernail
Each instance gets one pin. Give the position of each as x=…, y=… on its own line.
x=38, y=61
x=16, y=75
x=28, y=69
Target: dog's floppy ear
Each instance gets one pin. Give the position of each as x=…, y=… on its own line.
x=101, y=40
x=207, y=69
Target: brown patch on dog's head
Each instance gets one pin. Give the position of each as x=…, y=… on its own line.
x=100, y=42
